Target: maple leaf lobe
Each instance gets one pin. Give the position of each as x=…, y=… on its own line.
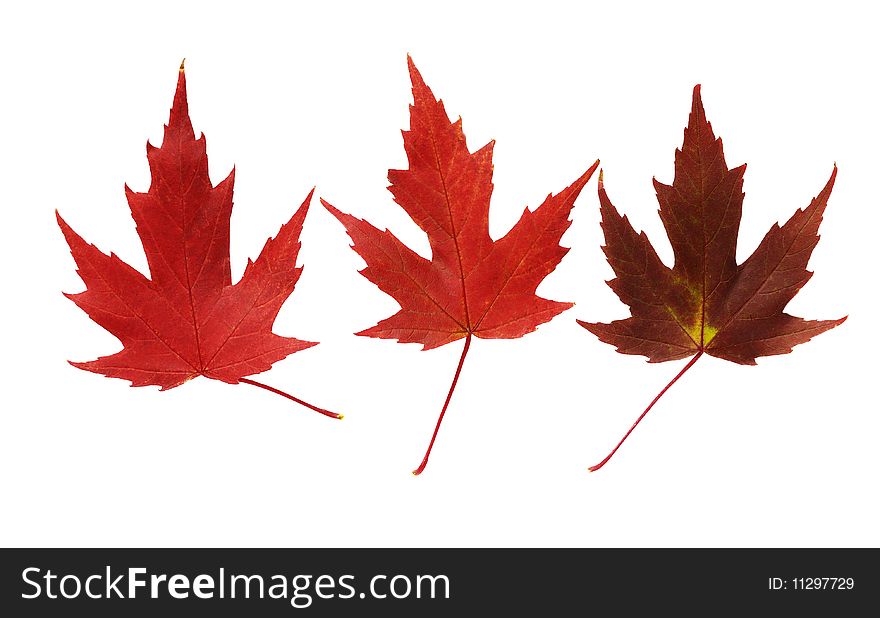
x=706, y=301
x=472, y=284
x=187, y=319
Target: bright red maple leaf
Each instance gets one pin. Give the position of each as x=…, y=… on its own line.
x=188, y=319
x=707, y=303
x=472, y=285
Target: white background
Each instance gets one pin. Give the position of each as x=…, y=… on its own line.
x=783, y=454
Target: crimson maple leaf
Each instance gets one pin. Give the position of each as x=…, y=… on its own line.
x=707, y=303
x=472, y=285
x=188, y=319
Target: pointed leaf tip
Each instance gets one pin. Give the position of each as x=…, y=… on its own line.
x=590, y=171
x=697, y=102
x=330, y=207
x=179, y=115
x=415, y=76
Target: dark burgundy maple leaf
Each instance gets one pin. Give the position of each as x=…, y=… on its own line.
x=188, y=319
x=707, y=303
x=472, y=286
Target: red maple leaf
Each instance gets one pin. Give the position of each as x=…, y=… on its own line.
x=707, y=303
x=472, y=285
x=188, y=319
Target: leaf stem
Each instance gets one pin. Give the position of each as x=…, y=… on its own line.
x=467, y=345
x=272, y=389
x=648, y=409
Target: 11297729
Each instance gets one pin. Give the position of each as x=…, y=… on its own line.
x=811, y=583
